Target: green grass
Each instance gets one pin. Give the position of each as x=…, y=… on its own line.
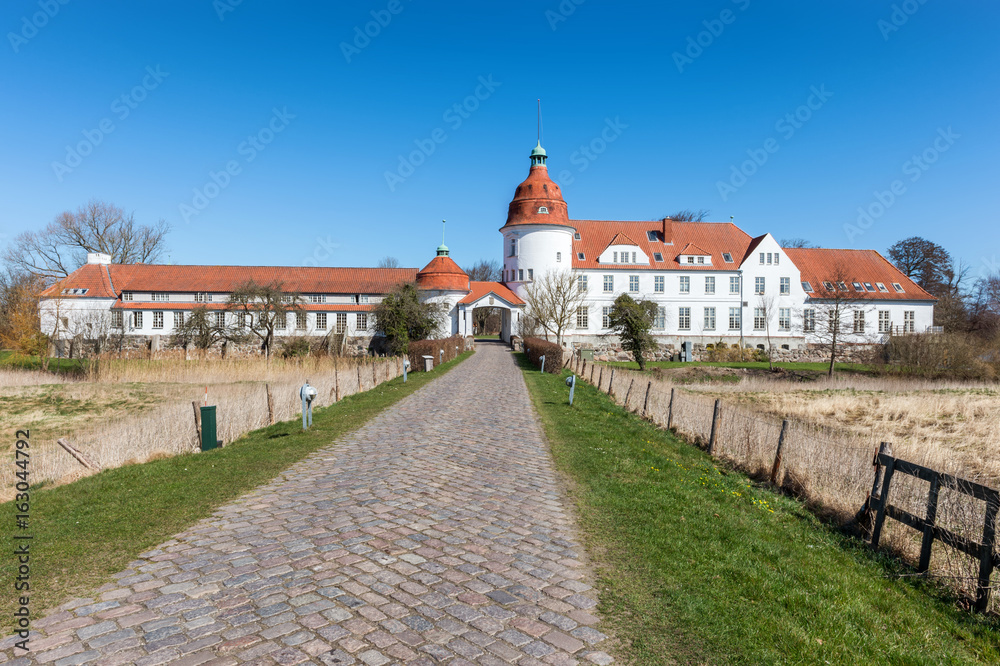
x=753, y=365
x=10, y=359
x=697, y=564
x=86, y=531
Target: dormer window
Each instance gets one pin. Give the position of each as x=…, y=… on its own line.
x=828, y=286
x=857, y=286
x=807, y=287
x=869, y=287
x=701, y=260
x=882, y=287
x=652, y=236
x=842, y=286
x=543, y=210
x=657, y=256
x=317, y=298
x=726, y=257
x=690, y=260
x=160, y=297
x=898, y=287
x=126, y=295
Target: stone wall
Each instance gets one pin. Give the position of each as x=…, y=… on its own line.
x=157, y=346
x=811, y=353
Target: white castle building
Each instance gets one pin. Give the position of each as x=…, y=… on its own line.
x=711, y=282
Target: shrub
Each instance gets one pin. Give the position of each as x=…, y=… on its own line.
x=295, y=347
x=723, y=353
x=536, y=348
x=452, y=347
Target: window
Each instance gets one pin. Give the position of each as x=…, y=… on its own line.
x=576, y=236
x=786, y=286
x=895, y=285
x=776, y=255
x=658, y=256
x=881, y=287
x=857, y=286
x=287, y=298
x=157, y=320
x=784, y=319
x=160, y=297
x=609, y=284
x=652, y=236
x=633, y=257
x=759, y=319
x=581, y=284
x=280, y=321
x=202, y=298
x=581, y=317
x=709, y=285
x=558, y=257
x=614, y=257
x=869, y=287
x=758, y=285
x=701, y=260
x=363, y=299
x=859, y=321
x=808, y=321
x=660, y=319
x=117, y=319
x=362, y=321
x=726, y=257
x=841, y=286
x=684, y=319
x=734, y=284
x=685, y=284
x=137, y=319
x=531, y=275
x=709, y=319
x=606, y=317
x=542, y=210
x=633, y=284
x=734, y=319
x=690, y=260
x=520, y=275
x=909, y=323
x=178, y=319
x=761, y=258
x=806, y=287
x=246, y=320
x=317, y=298
x=513, y=247
x=580, y=256
x=321, y=321
x=828, y=286
x=884, y=323
x=768, y=258
x=659, y=284
x=300, y=321
x=220, y=320
x=127, y=295
x=341, y=322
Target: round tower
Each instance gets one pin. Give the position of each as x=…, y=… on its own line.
x=538, y=236
x=443, y=282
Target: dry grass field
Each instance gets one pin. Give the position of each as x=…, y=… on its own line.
x=130, y=411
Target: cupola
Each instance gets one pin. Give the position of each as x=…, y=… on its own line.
x=537, y=200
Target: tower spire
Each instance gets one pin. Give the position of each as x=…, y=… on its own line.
x=442, y=250
x=538, y=155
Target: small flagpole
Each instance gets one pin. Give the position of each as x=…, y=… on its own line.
x=539, y=120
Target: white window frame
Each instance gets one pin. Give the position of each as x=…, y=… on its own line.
x=684, y=284
x=633, y=284
x=709, y=319
x=321, y=321
x=735, y=318
x=609, y=284
x=341, y=323
x=709, y=284
x=884, y=321
x=684, y=318
x=582, y=317
x=784, y=319
x=158, y=319
x=659, y=284
x=759, y=285
x=734, y=284
x=785, y=286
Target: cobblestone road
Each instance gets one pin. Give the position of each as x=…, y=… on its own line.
x=437, y=533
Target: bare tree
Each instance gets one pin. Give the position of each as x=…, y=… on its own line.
x=484, y=270
x=553, y=301
x=765, y=305
x=260, y=308
x=687, y=215
x=922, y=261
x=832, y=312
x=387, y=262
x=62, y=246
x=797, y=242
x=20, y=326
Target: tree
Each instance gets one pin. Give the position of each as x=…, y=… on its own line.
x=926, y=263
x=796, y=242
x=687, y=215
x=201, y=329
x=631, y=321
x=20, y=324
x=402, y=318
x=485, y=270
x=62, y=246
x=387, y=262
x=765, y=304
x=834, y=311
x=553, y=301
x=259, y=308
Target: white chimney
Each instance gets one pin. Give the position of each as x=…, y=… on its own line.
x=98, y=258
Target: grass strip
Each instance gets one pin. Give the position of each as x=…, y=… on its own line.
x=86, y=531
x=697, y=564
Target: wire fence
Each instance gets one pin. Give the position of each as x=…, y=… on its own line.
x=831, y=470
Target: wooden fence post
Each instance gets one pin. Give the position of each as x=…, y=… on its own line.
x=197, y=423
x=670, y=408
x=986, y=552
x=583, y=370
x=866, y=516
x=374, y=373
x=600, y=377
x=928, y=540
x=79, y=455
x=776, y=467
x=611, y=384
x=716, y=416
x=359, y=378
x=645, y=402
x=883, y=500
x=270, y=405
x=336, y=384
x=628, y=392
x=592, y=373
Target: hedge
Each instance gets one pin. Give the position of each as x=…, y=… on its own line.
x=535, y=348
x=452, y=347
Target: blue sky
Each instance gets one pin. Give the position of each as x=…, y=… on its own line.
x=787, y=116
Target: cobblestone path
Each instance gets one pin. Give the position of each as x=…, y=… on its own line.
x=437, y=533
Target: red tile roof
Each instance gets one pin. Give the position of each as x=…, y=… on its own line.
x=713, y=238
x=692, y=249
x=536, y=191
x=818, y=265
x=499, y=289
x=223, y=279
x=306, y=307
x=444, y=274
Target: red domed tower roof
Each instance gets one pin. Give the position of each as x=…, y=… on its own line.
x=443, y=274
x=537, y=200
